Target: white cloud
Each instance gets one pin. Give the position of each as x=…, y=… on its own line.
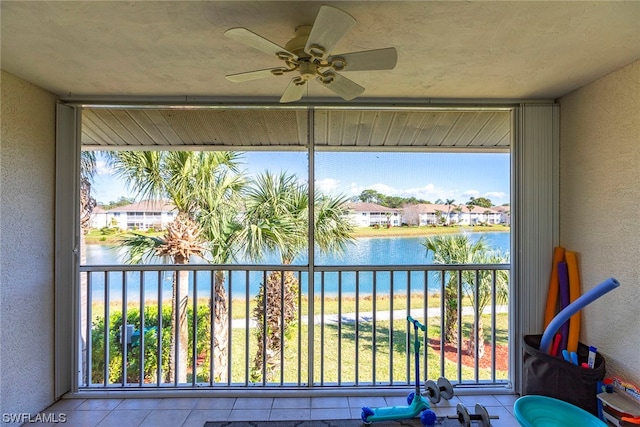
x=102, y=168
x=471, y=193
x=495, y=195
x=327, y=185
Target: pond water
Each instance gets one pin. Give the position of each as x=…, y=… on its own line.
x=365, y=251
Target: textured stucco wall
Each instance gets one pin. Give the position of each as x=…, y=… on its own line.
x=599, y=200
x=27, y=194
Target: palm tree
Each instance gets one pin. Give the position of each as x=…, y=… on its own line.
x=276, y=220
x=458, y=211
x=470, y=209
x=452, y=249
x=87, y=204
x=481, y=296
x=218, y=218
x=449, y=202
x=190, y=180
x=486, y=216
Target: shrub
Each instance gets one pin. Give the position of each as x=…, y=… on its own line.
x=107, y=231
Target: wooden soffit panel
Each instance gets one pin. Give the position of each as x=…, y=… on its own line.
x=264, y=128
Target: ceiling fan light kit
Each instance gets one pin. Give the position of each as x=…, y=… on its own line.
x=309, y=54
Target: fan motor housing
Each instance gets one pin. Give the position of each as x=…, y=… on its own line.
x=296, y=45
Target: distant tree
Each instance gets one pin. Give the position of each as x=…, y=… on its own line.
x=439, y=202
x=414, y=201
x=122, y=201
x=394, y=201
x=369, y=196
x=483, y=202
x=372, y=196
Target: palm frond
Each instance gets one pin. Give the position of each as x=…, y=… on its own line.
x=141, y=248
x=87, y=165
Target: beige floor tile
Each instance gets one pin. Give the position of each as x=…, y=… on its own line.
x=329, y=402
x=356, y=413
x=124, y=417
x=249, y=415
x=253, y=403
x=290, y=414
x=85, y=418
x=99, y=404
x=331, y=413
x=291, y=402
x=139, y=404
x=198, y=417
x=372, y=402
x=207, y=403
x=507, y=399
x=166, y=418
x=483, y=399
x=177, y=403
x=66, y=405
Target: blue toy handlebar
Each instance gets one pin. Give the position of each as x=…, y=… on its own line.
x=416, y=323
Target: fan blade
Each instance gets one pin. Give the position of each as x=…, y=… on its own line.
x=255, y=75
x=342, y=86
x=294, y=91
x=256, y=41
x=378, y=59
x=329, y=27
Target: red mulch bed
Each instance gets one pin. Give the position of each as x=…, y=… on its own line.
x=451, y=353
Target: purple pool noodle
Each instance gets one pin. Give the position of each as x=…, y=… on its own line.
x=563, y=280
x=580, y=303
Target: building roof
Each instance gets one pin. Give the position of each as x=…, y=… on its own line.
x=369, y=207
x=146, y=206
x=423, y=208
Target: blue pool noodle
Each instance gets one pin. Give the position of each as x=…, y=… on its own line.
x=577, y=305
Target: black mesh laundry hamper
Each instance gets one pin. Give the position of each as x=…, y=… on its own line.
x=554, y=377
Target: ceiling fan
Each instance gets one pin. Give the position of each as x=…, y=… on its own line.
x=308, y=56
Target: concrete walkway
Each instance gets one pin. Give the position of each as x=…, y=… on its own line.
x=368, y=316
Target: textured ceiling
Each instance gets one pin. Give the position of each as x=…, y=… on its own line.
x=449, y=49
x=175, y=52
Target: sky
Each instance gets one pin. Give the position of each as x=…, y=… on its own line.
x=427, y=176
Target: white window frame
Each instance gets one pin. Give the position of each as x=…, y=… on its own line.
x=534, y=221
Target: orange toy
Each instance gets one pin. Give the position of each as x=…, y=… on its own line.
x=552, y=297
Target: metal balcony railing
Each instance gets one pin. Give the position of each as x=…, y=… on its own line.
x=340, y=326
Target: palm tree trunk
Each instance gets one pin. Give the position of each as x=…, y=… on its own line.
x=179, y=325
x=471, y=349
x=451, y=314
x=87, y=204
x=220, y=330
x=279, y=318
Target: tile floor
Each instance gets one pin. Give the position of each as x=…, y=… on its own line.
x=194, y=412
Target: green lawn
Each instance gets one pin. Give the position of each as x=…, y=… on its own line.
x=97, y=236
x=423, y=231
x=345, y=355
x=334, y=349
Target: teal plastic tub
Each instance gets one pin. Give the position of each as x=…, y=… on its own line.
x=543, y=411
